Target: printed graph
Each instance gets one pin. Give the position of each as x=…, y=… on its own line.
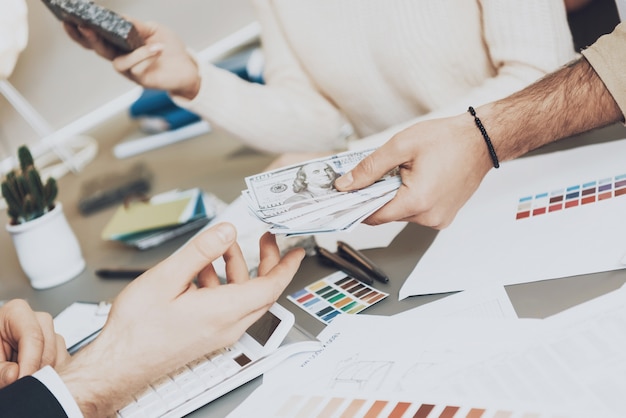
x=571, y=196
x=304, y=406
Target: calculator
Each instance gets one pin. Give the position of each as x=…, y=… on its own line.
x=216, y=373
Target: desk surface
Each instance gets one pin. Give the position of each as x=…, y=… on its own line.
x=218, y=164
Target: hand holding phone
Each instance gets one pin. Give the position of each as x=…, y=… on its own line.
x=113, y=28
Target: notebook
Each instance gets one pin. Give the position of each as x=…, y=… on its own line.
x=144, y=224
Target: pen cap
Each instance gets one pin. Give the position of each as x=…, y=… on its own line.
x=361, y=260
x=334, y=260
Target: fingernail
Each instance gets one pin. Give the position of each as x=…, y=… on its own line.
x=155, y=47
x=225, y=231
x=344, y=181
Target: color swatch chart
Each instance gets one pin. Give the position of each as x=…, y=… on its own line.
x=302, y=406
x=572, y=196
x=336, y=294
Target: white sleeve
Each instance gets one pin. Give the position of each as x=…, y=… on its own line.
x=49, y=377
x=13, y=34
x=621, y=9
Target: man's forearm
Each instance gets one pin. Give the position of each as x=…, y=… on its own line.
x=567, y=102
x=94, y=390
x=102, y=378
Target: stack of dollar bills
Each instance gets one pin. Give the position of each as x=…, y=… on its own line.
x=301, y=199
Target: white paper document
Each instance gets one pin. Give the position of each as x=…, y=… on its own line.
x=536, y=218
x=488, y=302
x=478, y=302
x=588, y=341
x=81, y=322
x=571, y=365
x=370, y=360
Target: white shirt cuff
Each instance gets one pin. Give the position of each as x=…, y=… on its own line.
x=49, y=377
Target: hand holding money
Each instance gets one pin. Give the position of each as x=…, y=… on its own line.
x=301, y=199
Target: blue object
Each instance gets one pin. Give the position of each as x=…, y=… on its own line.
x=158, y=112
x=152, y=102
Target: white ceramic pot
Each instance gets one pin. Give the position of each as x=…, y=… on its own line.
x=47, y=249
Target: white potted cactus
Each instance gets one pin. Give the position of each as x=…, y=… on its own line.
x=46, y=246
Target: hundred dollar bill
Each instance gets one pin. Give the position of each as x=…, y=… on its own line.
x=290, y=184
x=341, y=220
x=295, y=207
x=341, y=202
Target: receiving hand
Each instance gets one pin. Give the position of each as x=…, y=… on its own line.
x=28, y=342
x=163, y=319
x=442, y=163
x=163, y=62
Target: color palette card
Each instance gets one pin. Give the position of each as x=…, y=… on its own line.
x=571, y=196
x=336, y=294
x=338, y=406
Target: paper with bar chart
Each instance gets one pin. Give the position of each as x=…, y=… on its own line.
x=463, y=356
x=345, y=407
x=536, y=218
x=378, y=367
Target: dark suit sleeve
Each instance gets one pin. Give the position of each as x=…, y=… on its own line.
x=29, y=398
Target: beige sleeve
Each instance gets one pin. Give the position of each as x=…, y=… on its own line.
x=286, y=114
x=525, y=41
x=607, y=57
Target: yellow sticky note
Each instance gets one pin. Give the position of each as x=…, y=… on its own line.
x=143, y=216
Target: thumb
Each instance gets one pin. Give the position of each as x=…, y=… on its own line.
x=181, y=267
x=368, y=171
x=265, y=290
x=9, y=373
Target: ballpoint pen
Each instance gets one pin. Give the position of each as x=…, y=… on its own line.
x=344, y=265
x=354, y=255
x=119, y=273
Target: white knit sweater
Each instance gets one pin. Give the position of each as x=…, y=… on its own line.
x=13, y=34
x=376, y=66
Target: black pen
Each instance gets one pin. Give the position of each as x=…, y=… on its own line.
x=354, y=255
x=119, y=273
x=344, y=265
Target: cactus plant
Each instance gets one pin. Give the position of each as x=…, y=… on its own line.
x=27, y=197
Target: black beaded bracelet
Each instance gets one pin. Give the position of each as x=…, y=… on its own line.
x=483, y=131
